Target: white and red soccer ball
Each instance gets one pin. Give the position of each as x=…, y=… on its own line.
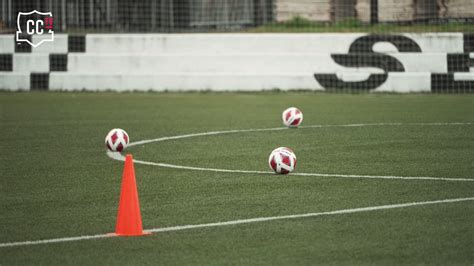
x=282, y=160
x=292, y=117
x=117, y=140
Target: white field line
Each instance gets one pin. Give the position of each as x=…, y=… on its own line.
x=303, y=174
x=118, y=156
x=54, y=240
x=204, y=134
x=141, y=142
x=243, y=221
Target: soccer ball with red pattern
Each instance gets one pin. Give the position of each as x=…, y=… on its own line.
x=117, y=140
x=292, y=117
x=282, y=160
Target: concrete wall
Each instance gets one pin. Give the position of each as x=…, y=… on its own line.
x=315, y=10
x=396, y=63
x=388, y=10
x=456, y=8
x=363, y=10
x=400, y=10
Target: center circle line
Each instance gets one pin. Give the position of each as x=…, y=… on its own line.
x=118, y=156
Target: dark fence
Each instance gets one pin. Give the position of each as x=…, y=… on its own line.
x=143, y=15
x=230, y=15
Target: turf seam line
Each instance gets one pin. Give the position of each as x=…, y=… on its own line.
x=243, y=221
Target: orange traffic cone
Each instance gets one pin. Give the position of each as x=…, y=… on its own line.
x=129, y=220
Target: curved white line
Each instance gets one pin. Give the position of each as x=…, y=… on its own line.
x=120, y=157
x=210, y=133
x=243, y=221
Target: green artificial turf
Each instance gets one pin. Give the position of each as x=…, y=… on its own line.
x=57, y=181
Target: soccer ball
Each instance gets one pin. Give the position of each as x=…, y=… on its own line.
x=292, y=117
x=117, y=140
x=282, y=160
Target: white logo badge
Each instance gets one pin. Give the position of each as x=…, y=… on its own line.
x=35, y=23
